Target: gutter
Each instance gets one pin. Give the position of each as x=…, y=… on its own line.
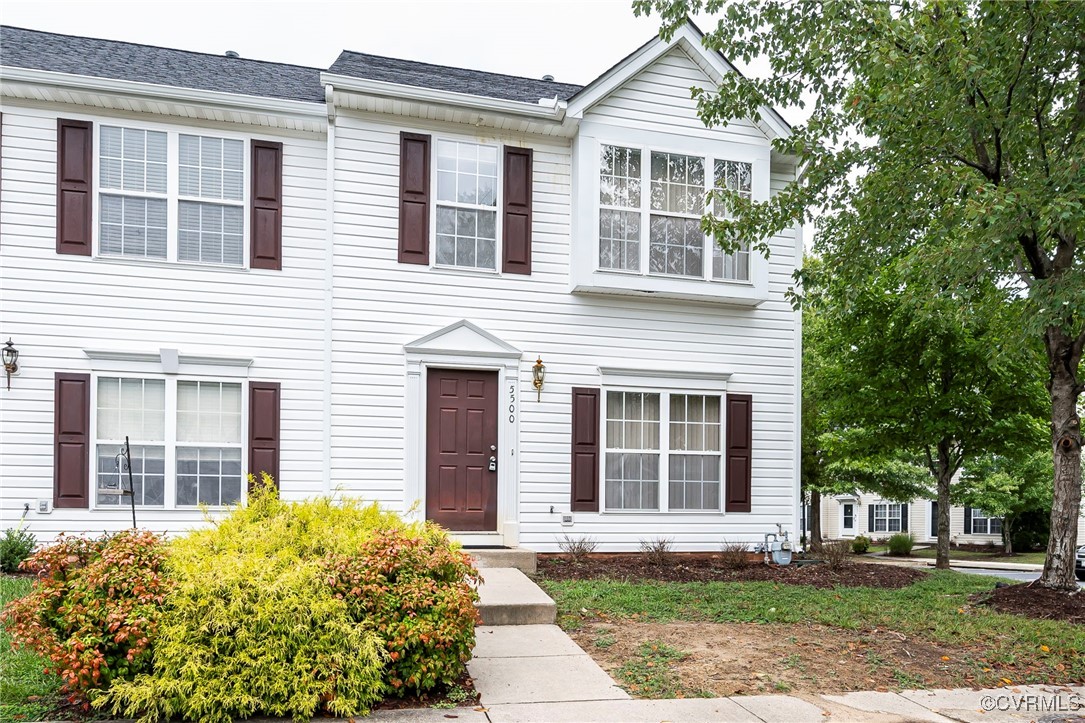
x=154, y=91
x=550, y=109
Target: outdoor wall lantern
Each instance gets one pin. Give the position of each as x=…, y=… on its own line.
x=10, y=355
x=538, y=374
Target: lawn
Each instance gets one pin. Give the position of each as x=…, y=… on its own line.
x=21, y=675
x=752, y=637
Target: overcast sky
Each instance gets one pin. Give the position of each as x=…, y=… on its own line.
x=573, y=40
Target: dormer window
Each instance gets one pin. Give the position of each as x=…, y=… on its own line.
x=670, y=213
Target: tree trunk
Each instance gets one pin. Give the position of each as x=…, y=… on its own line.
x=1007, y=535
x=945, y=476
x=814, y=521
x=1063, y=360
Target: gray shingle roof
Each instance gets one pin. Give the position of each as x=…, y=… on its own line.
x=441, y=77
x=38, y=50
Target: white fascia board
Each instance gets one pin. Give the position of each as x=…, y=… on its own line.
x=154, y=91
x=550, y=109
x=689, y=40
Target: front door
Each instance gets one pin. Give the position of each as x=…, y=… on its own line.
x=461, y=449
x=847, y=519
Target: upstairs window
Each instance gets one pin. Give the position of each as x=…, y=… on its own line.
x=668, y=214
x=466, y=205
x=169, y=195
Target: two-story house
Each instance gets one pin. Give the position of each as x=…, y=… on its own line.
x=477, y=298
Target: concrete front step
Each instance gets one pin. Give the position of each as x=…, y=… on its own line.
x=516, y=557
x=508, y=597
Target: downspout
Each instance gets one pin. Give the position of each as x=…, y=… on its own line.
x=329, y=284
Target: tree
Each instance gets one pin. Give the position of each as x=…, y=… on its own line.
x=1008, y=487
x=968, y=117
x=917, y=379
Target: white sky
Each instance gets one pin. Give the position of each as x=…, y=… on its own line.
x=573, y=40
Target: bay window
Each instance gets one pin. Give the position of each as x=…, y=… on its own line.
x=185, y=438
x=669, y=214
x=663, y=451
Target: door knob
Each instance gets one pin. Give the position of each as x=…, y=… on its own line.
x=493, y=464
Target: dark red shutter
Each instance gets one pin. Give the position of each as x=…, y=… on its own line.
x=71, y=440
x=585, y=462
x=413, y=198
x=517, y=220
x=870, y=518
x=75, y=168
x=266, y=206
x=264, y=429
x=968, y=520
x=739, y=449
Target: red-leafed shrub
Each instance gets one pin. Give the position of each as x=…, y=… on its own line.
x=92, y=611
x=416, y=592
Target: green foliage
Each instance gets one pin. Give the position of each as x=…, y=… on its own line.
x=16, y=544
x=860, y=545
x=93, y=610
x=27, y=692
x=255, y=624
x=650, y=675
x=415, y=592
x=1008, y=486
x=901, y=544
x=942, y=145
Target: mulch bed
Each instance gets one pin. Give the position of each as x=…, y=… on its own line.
x=710, y=568
x=436, y=698
x=1031, y=600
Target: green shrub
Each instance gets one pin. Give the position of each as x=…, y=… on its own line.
x=92, y=612
x=860, y=545
x=256, y=623
x=415, y=593
x=901, y=544
x=16, y=544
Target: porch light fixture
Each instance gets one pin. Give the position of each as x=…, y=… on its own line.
x=538, y=374
x=10, y=355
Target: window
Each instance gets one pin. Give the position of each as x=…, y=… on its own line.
x=670, y=213
x=662, y=441
x=466, y=205
x=168, y=195
x=734, y=176
x=985, y=524
x=193, y=429
x=887, y=517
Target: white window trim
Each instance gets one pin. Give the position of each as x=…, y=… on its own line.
x=646, y=212
x=169, y=484
x=899, y=517
x=664, y=391
x=499, y=199
x=173, y=197
x=986, y=523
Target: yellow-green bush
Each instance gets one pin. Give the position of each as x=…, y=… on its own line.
x=254, y=623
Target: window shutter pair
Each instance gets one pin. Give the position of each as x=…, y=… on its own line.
x=586, y=449
x=415, y=199
x=72, y=442
x=75, y=173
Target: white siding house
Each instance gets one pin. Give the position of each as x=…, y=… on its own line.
x=442, y=232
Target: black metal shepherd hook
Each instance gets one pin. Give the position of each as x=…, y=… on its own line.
x=124, y=463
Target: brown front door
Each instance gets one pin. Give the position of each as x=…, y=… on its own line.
x=461, y=437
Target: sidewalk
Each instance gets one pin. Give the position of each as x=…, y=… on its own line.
x=964, y=564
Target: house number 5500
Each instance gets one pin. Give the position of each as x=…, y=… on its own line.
x=512, y=402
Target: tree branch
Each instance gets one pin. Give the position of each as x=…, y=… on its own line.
x=1037, y=259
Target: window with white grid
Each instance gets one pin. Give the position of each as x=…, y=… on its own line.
x=209, y=443
x=466, y=205
x=132, y=192
x=736, y=176
x=676, y=243
x=887, y=517
x=694, y=453
x=211, y=214
x=632, y=451
x=135, y=408
x=985, y=524
x=619, y=208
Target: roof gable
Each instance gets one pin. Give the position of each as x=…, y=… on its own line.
x=688, y=39
x=465, y=339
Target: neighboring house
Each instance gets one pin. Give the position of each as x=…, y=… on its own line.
x=346, y=277
x=847, y=516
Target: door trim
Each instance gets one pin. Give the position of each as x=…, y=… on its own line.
x=509, y=392
x=848, y=531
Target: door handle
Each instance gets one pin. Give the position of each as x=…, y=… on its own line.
x=493, y=464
